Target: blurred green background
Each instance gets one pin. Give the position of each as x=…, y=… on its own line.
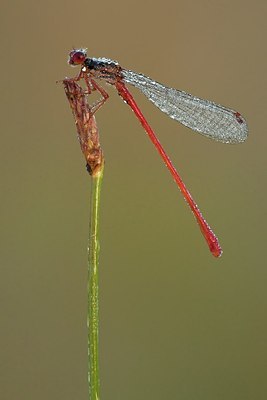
x=176, y=323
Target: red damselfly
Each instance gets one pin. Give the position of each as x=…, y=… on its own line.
x=203, y=116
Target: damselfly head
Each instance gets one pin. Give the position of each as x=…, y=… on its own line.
x=77, y=56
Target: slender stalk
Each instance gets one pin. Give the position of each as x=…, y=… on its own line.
x=93, y=300
x=89, y=141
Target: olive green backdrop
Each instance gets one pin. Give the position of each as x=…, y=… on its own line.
x=176, y=323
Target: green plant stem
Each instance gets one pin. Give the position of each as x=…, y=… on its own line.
x=93, y=300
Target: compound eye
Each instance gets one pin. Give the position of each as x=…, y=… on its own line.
x=77, y=57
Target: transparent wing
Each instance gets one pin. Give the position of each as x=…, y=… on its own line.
x=203, y=116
